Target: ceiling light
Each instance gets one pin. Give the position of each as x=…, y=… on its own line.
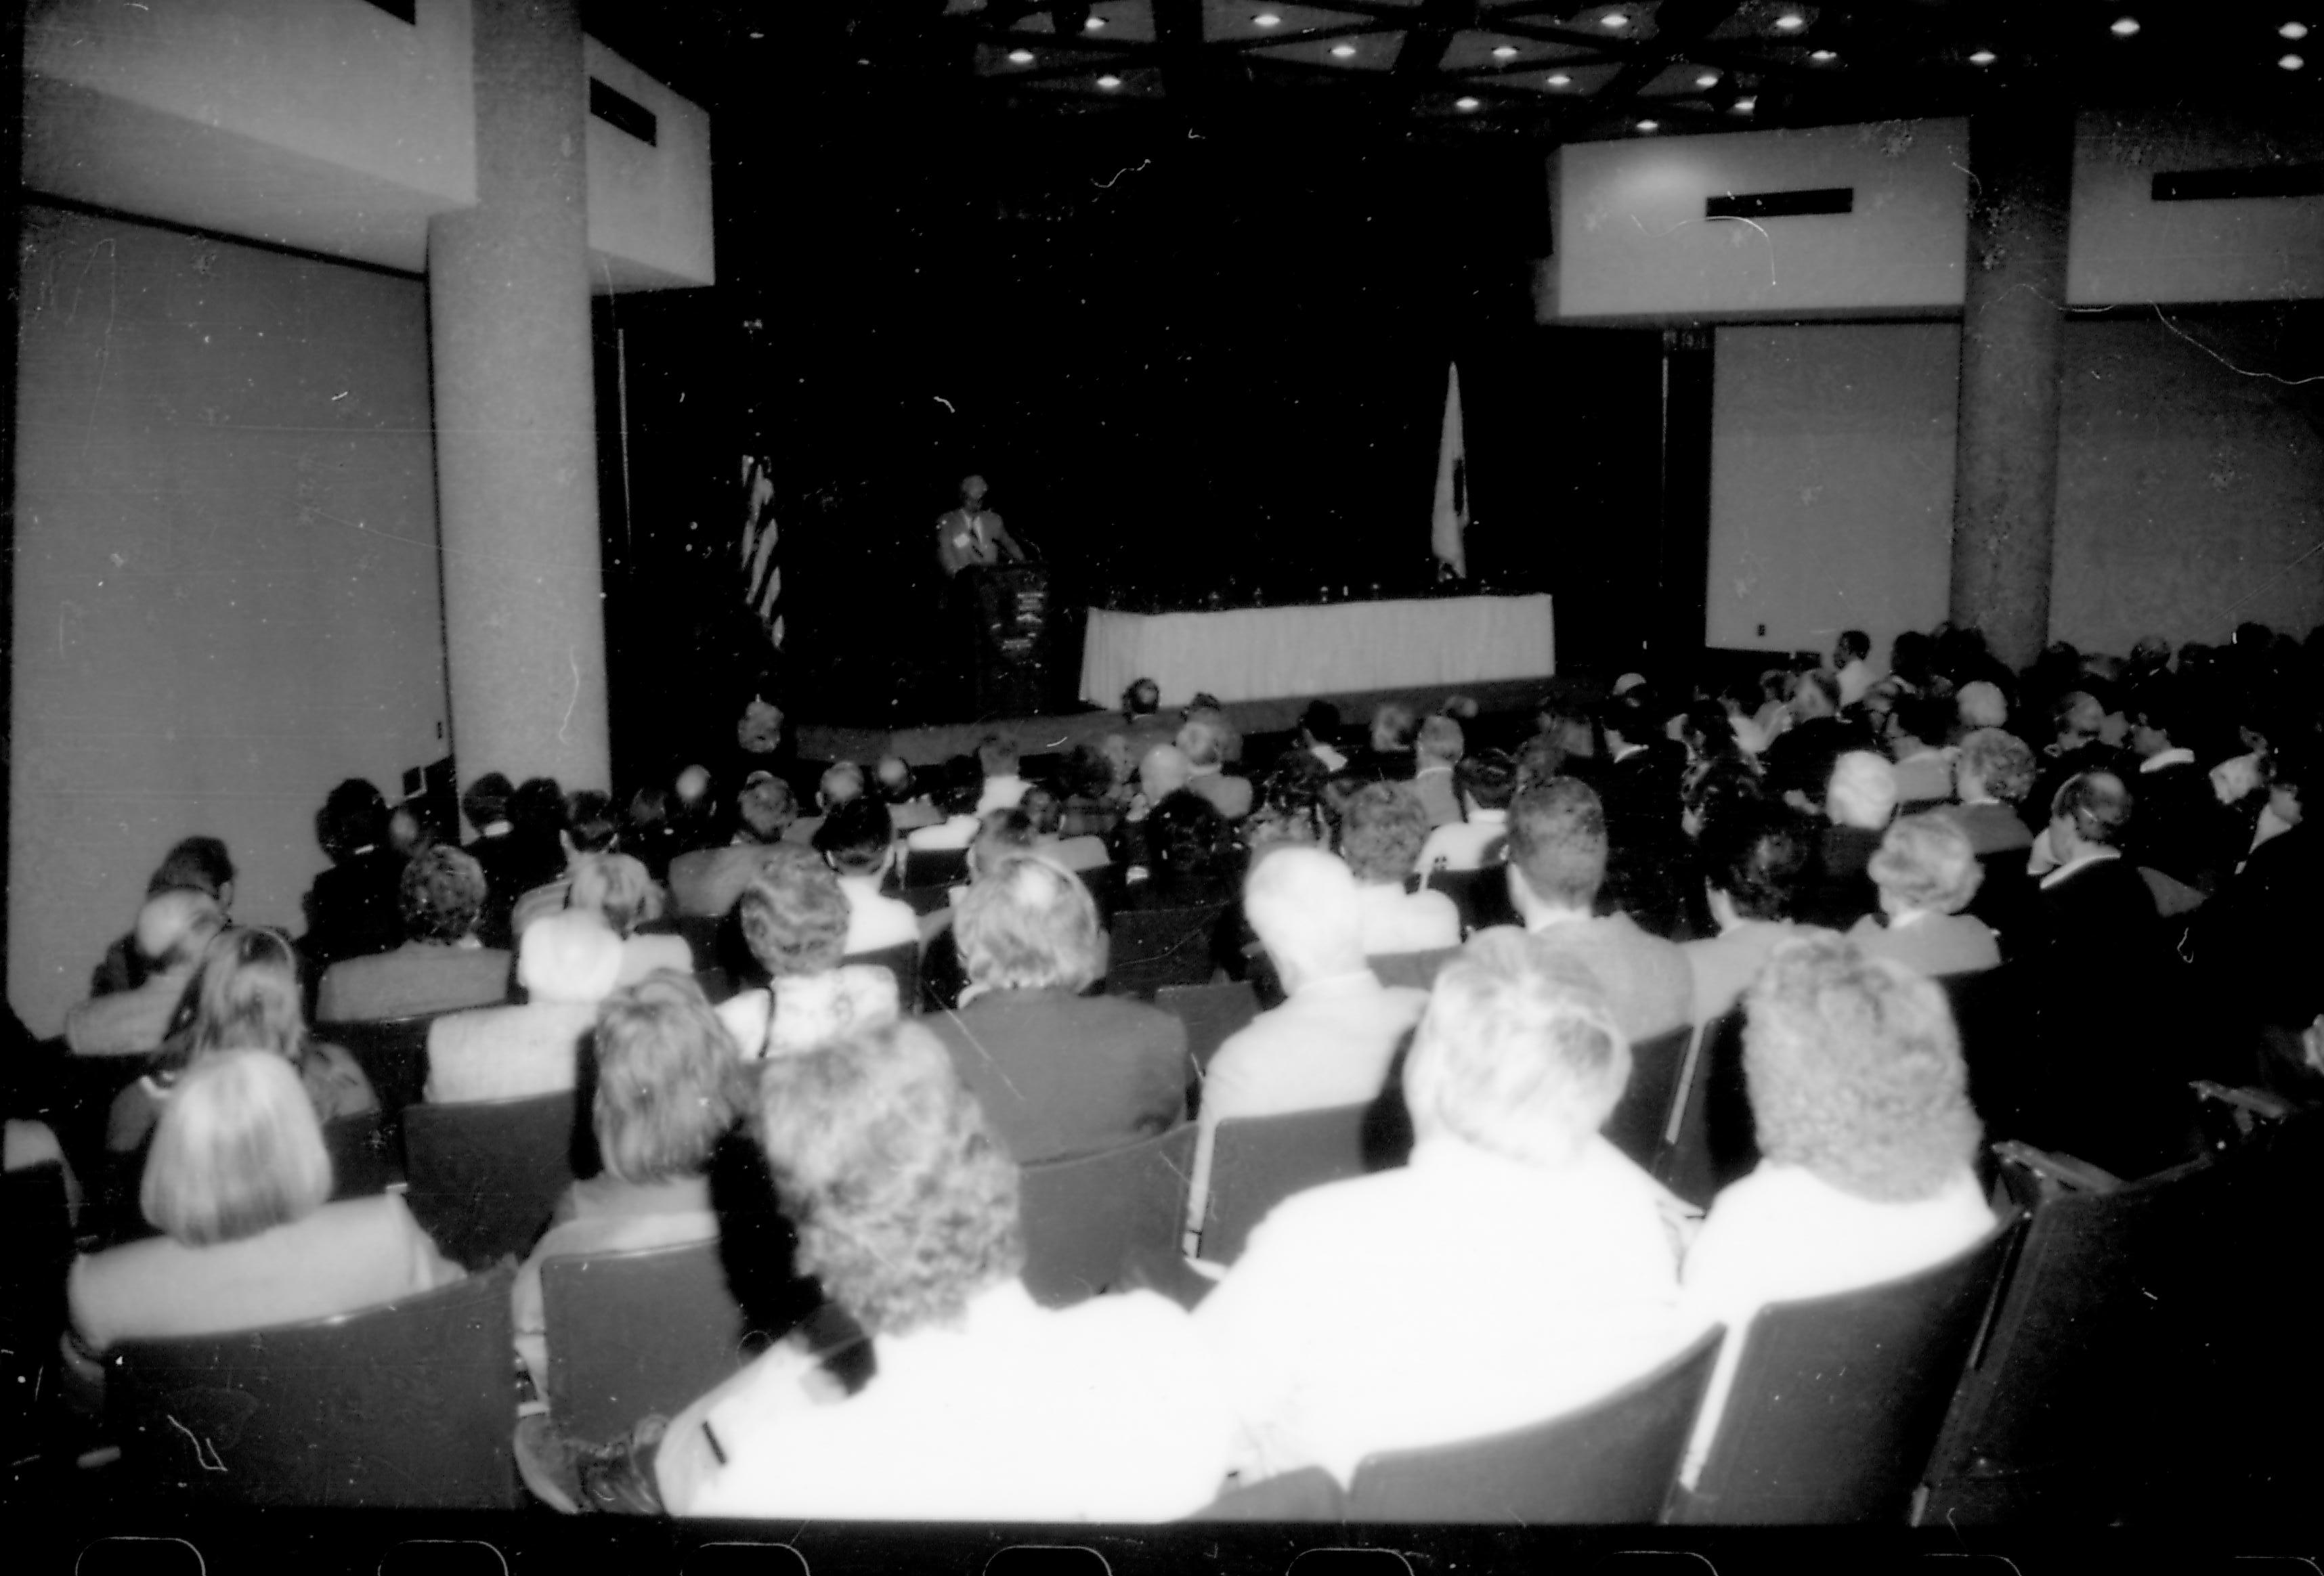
x=1790, y=22
x=1464, y=103
x=1822, y=57
x=1708, y=80
x=1650, y=125
x=1343, y=52
x=1505, y=52
x=1094, y=24
x=1558, y=79
x=1614, y=19
x=1983, y=58
x=2292, y=62
x=1745, y=105
x=2295, y=30
x=2124, y=26
x=1109, y=81
x=1267, y=19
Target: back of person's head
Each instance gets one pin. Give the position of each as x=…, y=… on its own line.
x=487, y=801
x=2159, y=706
x=1817, y=694
x=2097, y=804
x=442, y=894
x=1539, y=759
x=569, y=958
x=617, y=888
x=856, y=837
x=1926, y=863
x=1712, y=786
x=196, y=864
x=1851, y=645
x=649, y=811
x=1302, y=904
x=1925, y=719
x=1460, y=708
x=537, y=807
x=1044, y=809
x=1758, y=854
x=1320, y=722
x=1089, y=772
x=1393, y=725
x=1981, y=704
x=999, y=834
x=174, y=926
x=895, y=778
x=1142, y=698
x=590, y=826
x=905, y=1203
x=245, y=995
x=1488, y=778
x=237, y=1150
x=1381, y=832
x=1854, y=1072
x=353, y=818
x=692, y=788
x=1862, y=792
x=1518, y=1053
x=2000, y=763
x=996, y=755
x=1441, y=740
x=1557, y=842
x=1186, y=839
x=1164, y=771
x=1200, y=743
x=669, y=1080
x=794, y=914
x=842, y=781
x=1910, y=655
x=766, y=807
x=1028, y=924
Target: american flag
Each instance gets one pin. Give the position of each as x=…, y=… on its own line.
x=762, y=577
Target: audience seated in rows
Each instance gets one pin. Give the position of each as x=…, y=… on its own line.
x=1058, y=1073
x=841, y=783
x=1381, y=838
x=194, y=864
x=1926, y=874
x=1917, y=731
x=795, y=920
x=1487, y=781
x=173, y=927
x=441, y=968
x=1800, y=762
x=568, y=963
x=1047, y=814
x=707, y=882
x=1557, y=862
x=1993, y=775
x=669, y=1087
x=858, y=841
x=353, y=907
x=617, y=891
x=1518, y=1266
x=586, y=828
x=1754, y=861
x=1202, y=742
x=1858, y=805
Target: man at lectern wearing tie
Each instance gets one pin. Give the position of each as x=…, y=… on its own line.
x=972, y=536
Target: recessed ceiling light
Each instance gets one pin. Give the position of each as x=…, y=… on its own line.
x=1464, y=103
x=1790, y=22
x=1095, y=23
x=1650, y=125
x=1109, y=81
x=1614, y=19
x=2124, y=27
x=1505, y=52
x=1558, y=79
x=1983, y=58
x=1343, y=52
x=1822, y=57
x=1707, y=80
x=1021, y=57
x=2291, y=63
x=2295, y=30
x=1267, y=19
x=1745, y=105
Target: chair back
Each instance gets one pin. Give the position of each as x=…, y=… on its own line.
x=486, y=1174
x=1149, y=948
x=1257, y=1162
x=1994, y=1020
x=1212, y=1013
x=1609, y=1463
x=2063, y=1387
x=392, y=1051
x=366, y=1154
x=406, y=1405
x=1083, y=1217
x=1712, y=1140
x=903, y=961
x=636, y=1333
x=1482, y=896
x=1414, y=970
x=937, y=867
x=1642, y=1116
x=1837, y=1401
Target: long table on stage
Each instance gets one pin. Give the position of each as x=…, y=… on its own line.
x=1254, y=652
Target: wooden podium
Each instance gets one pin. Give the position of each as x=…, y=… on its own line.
x=1011, y=662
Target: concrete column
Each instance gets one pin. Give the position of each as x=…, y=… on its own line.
x=516, y=446
x=2013, y=345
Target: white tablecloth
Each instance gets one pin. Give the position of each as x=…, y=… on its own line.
x=1260, y=652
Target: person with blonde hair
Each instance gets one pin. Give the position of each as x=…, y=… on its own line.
x=1204, y=741
x=238, y=1184
x=795, y=920
x=566, y=962
x=1991, y=779
x=1381, y=834
x=616, y=889
x=1437, y=752
x=1926, y=873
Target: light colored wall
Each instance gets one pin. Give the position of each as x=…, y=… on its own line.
x=227, y=576
x=649, y=205
x=1831, y=482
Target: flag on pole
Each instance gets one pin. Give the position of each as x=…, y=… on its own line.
x=762, y=577
x=1451, y=524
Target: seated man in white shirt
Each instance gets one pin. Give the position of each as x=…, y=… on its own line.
x=1867, y=1139
x=1487, y=781
x=996, y=756
x=857, y=840
x=1380, y=834
x=1331, y=1040
x=1519, y=1268
x=567, y=962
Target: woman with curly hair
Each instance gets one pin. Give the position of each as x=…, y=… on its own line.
x=1381, y=838
x=441, y=967
x=795, y=919
x=1868, y=1144
x=983, y=1405
x=1991, y=779
x=1926, y=874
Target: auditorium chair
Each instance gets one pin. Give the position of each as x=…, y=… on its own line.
x=1710, y=1139
x=2061, y=1396
x=1257, y=1162
x=485, y=1174
x=903, y=962
x=936, y=868
x=1610, y=1463
x=36, y=1250
x=392, y=1051
x=407, y=1405
x=1212, y=1013
x=1642, y=1117
x=1837, y=1401
x=1083, y=1217
x=637, y=1332
x=1411, y=970
x=1149, y=948
x=366, y=1154
x=1482, y=897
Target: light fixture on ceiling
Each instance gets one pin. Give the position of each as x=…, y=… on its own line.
x=1650, y=125
x=2295, y=31
x=1983, y=58
x=1343, y=52
x=1021, y=57
x=1465, y=103
x=1266, y=19
x=1616, y=19
x=1745, y=105
x=2291, y=63
x=2124, y=27
x=1109, y=81
x=1824, y=57
x=1558, y=79
x=1505, y=52
x=1790, y=22
x=1707, y=80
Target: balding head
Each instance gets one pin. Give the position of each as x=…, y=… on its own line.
x=173, y=927
x=1302, y=903
x=570, y=957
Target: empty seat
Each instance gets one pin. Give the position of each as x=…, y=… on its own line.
x=406, y=1405
x=1257, y=1162
x=486, y=1174
x=1083, y=1217
x=1611, y=1462
x=1642, y=1116
x=1837, y=1401
x=1212, y=1013
x=637, y=1332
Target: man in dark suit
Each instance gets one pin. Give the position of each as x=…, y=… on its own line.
x=2178, y=829
x=1639, y=784
x=1800, y=761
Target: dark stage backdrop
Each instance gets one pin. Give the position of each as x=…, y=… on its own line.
x=1198, y=370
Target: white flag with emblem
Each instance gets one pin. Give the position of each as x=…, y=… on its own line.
x=1450, y=531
